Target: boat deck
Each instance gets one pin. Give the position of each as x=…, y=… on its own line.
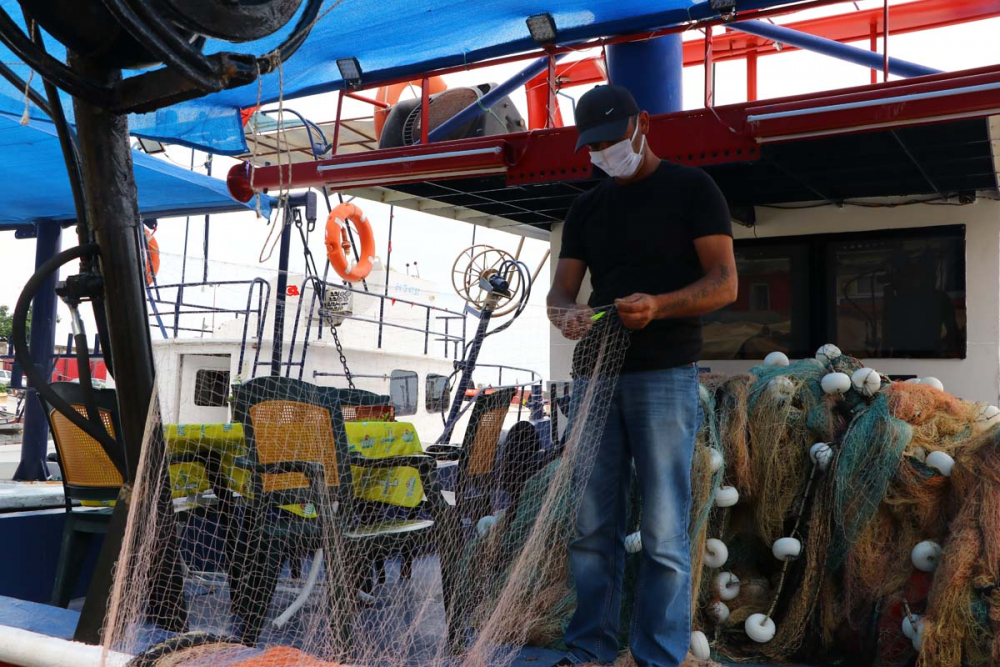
x=61, y=623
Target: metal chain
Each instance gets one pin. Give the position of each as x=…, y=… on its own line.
x=343, y=359
x=313, y=273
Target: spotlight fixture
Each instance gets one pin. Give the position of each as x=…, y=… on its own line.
x=151, y=147
x=350, y=71
x=726, y=8
x=542, y=28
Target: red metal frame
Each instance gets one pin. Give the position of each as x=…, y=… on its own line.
x=852, y=26
x=888, y=105
x=804, y=5
x=566, y=75
x=543, y=111
x=705, y=136
x=391, y=166
x=367, y=100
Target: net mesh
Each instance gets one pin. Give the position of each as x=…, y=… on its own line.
x=318, y=527
x=303, y=522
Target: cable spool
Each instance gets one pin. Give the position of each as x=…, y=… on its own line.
x=480, y=262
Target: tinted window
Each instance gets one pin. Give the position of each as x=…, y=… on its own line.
x=211, y=388
x=894, y=293
x=771, y=311
x=404, y=392
x=900, y=296
x=436, y=388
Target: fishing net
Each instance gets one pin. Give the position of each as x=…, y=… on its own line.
x=317, y=526
x=278, y=522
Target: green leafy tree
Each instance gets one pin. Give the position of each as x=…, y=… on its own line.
x=7, y=322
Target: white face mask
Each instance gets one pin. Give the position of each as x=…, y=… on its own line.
x=619, y=160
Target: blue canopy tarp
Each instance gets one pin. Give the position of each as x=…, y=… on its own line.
x=34, y=185
x=392, y=39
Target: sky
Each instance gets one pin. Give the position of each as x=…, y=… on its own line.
x=432, y=244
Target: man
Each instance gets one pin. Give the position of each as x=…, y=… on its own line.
x=657, y=239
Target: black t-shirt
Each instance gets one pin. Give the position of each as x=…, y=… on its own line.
x=639, y=237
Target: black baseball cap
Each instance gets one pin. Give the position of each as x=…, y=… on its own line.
x=602, y=114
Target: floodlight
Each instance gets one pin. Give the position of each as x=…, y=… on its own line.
x=542, y=28
x=350, y=71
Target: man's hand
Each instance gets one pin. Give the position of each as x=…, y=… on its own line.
x=637, y=310
x=573, y=322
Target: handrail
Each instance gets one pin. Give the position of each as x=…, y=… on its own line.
x=263, y=289
x=320, y=286
x=535, y=377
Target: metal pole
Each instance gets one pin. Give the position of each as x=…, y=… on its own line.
x=425, y=105
x=885, y=40
x=208, y=219
x=468, y=365
x=282, y=291
x=874, y=48
x=388, y=261
x=834, y=49
x=187, y=231
x=112, y=208
x=34, y=443
x=336, y=131
x=709, y=70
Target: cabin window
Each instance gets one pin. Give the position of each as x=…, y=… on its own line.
x=211, y=388
x=772, y=308
x=436, y=387
x=890, y=293
x=404, y=392
x=899, y=296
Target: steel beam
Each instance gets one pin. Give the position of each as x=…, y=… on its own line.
x=34, y=444
x=832, y=48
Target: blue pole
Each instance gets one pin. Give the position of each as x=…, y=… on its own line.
x=829, y=47
x=34, y=443
x=652, y=70
x=475, y=110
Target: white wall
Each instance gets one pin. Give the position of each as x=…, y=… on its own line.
x=977, y=377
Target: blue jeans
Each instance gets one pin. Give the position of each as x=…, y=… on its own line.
x=653, y=419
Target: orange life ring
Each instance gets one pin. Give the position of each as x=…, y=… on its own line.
x=153, y=260
x=338, y=243
x=390, y=95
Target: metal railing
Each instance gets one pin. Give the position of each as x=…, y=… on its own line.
x=171, y=316
x=179, y=308
x=317, y=316
x=535, y=377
